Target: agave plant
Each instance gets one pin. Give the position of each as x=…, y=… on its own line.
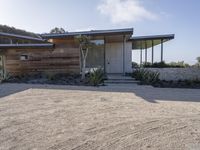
x=5, y=77
x=147, y=77
x=96, y=77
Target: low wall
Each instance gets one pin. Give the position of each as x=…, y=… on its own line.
x=177, y=73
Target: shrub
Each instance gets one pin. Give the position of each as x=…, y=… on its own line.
x=147, y=65
x=50, y=76
x=145, y=76
x=179, y=64
x=135, y=65
x=96, y=77
x=6, y=77
x=160, y=65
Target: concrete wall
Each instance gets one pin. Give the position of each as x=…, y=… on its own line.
x=177, y=73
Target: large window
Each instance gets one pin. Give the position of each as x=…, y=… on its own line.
x=95, y=56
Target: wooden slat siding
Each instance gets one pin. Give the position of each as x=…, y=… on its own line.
x=64, y=58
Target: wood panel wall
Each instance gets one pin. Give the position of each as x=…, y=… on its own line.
x=64, y=58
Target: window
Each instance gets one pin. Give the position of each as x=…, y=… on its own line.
x=23, y=57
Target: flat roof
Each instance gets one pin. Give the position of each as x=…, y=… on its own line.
x=18, y=46
x=92, y=32
x=3, y=34
x=142, y=42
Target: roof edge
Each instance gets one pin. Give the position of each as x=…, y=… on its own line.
x=18, y=46
x=92, y=32
x=21, y=36
x=153, y=37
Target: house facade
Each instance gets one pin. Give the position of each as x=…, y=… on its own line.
x=60, y=53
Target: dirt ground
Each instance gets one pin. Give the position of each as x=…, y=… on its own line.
x=109, y=117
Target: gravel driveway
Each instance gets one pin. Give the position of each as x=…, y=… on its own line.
x=108, y=117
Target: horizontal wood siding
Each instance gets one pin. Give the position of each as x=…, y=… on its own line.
x=64, y=58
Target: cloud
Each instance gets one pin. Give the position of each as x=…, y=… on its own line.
x=120, y=11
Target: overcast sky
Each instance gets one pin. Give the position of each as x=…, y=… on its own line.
x=147, y=17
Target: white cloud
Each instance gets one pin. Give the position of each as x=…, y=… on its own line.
x=120, y=11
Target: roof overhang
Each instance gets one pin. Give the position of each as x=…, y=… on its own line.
x=16, y=36
x=126, y=31
x=142, y=42
x=21, y=46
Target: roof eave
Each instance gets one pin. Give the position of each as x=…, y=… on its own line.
x=3, y=34
x=90, y=33
x=153, y=37
x=21, y=46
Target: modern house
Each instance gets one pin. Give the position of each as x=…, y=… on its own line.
x=60, y=53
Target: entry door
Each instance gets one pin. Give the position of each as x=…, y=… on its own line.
x=114, y=58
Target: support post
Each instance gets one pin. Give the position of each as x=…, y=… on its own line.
x=141, y=57
x=145, y=51
x=3, y=66
x=152, y=52
x=11, y=42
x=104, y=55
x=161, y=50
x=124, y=42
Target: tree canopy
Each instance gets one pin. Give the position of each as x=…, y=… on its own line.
x=13, y=30
x=57, y=30
x=198, y=59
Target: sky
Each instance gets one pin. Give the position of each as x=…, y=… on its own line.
x=147, y=17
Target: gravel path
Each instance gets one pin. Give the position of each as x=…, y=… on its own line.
x=110, y=117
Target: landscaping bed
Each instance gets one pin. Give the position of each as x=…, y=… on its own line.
x=147, y=77
x=95, y=78
x=57, y=79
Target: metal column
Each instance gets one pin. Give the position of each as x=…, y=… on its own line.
x=152, y=59
x=161, y=50
x=124, y=42
x=140, y=57
x=145, y=52
x=104, y=55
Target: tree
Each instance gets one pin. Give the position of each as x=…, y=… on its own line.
x=84, y=45
x=57, y=30
x=198, y=60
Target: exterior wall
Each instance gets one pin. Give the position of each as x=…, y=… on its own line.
x=177, y=73
x=63, y=59
x=128, y=57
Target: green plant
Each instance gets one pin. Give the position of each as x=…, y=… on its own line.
x=5, y=77
x=147, y=65
x=84, y=45
x=145, y=76
x=179, y=64
x=50, y=76
x=135, y=65
x=96, y=77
